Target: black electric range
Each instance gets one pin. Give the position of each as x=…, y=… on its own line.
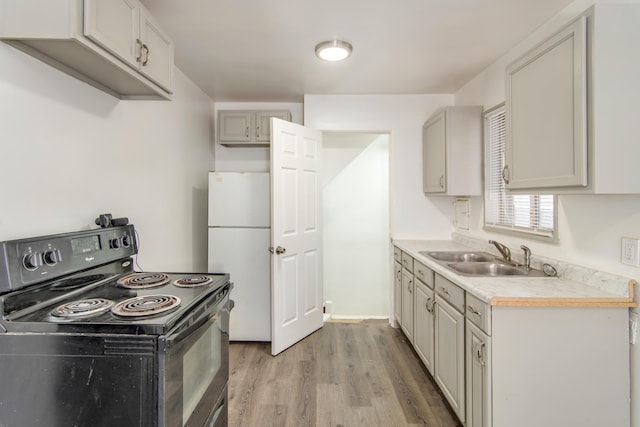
x=72, y=307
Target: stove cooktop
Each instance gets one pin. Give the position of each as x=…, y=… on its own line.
x=99, y=296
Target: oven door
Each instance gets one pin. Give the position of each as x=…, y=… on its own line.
x=194, y=368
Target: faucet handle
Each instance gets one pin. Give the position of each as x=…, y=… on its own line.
x=526, y=262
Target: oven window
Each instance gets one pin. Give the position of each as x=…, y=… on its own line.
x=200, y=364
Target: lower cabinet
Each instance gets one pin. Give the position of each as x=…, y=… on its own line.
x=478, y=356
x=397, y=292
x=424, y=325
x=449, y=354
x=484, y=359
x=407, y=304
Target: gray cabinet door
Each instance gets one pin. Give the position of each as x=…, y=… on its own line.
x=157, y=59
x=546, y=107
x=424, y=325
x=114, y=25
x=449, y=355
x=263, y=123
x=434, y=155
x=478, y=361
x=407, y=303
x=234, y=126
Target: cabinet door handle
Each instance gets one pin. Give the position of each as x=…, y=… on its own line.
x=480, y=353
x=433, y=306
x=505, y=174
x=477, y=313
x=427, y=305
x=246, y=132
x=409, y=286
x=257, y=132
x=140, y=49
x=441, y=181
x=146, y=54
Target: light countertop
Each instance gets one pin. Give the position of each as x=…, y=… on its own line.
x=519, y=291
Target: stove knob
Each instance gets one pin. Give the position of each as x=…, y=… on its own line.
x=126, y=241
x=114, y=243
x=52, y=257
x=32, y=261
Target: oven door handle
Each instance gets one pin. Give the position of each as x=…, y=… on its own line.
x=183, y=333
x=191, y=325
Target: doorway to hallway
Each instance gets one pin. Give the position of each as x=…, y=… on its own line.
x=355, y=175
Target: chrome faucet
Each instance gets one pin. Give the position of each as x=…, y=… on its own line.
x=504, y=251
x=526, y=263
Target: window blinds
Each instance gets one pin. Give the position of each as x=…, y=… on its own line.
x=533, y=214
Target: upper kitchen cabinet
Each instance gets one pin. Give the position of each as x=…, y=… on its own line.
x=571, y=126
x=113, y=45
x=452, y=152
x=247, y=127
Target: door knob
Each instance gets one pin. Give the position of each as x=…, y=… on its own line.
x=279, y=250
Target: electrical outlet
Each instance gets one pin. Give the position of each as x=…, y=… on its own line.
x=630, y=252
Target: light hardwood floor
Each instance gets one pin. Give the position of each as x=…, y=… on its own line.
x=345, y=374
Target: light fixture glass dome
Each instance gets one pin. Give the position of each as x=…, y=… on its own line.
x=333, y=50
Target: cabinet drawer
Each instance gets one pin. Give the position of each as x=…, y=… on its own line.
x=450, y=292
x=397, y=254
x=424, y=273
x=479, y=312
x=407, y=261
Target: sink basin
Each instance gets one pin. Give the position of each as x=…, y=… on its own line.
x=492, y=269
x=460, y=256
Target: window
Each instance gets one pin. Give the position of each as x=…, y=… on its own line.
x=521, y=213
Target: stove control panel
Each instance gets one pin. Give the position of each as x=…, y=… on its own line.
x=30, y=261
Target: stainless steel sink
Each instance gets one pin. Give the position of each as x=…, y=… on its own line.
x=450, y=256
x=492, y=269
x=479, y=264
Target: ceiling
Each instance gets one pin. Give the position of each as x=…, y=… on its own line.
x=263, y=50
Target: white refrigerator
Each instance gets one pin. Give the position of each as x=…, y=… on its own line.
x=239, y=238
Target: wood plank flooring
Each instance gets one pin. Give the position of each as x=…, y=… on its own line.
x=345, y=374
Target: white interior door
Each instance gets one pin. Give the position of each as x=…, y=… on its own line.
x=296, y=235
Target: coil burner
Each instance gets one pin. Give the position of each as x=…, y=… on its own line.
x=193, y=281
x=83, y=308
x=147, y=305
x=143, y=280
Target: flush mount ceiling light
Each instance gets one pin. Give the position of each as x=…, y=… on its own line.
x=333, y=50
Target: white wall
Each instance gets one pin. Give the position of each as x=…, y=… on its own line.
x=69, y=152
x=249, y=159
x=590, y=228
x=412, y=215
x=355, y=231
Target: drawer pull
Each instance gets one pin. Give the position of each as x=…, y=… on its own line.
x=477, y=313
x=445, y=291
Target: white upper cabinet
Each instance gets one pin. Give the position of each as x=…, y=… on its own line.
x=570, y=102
x=452, y=152
x=247, y=127
x=113, y=45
